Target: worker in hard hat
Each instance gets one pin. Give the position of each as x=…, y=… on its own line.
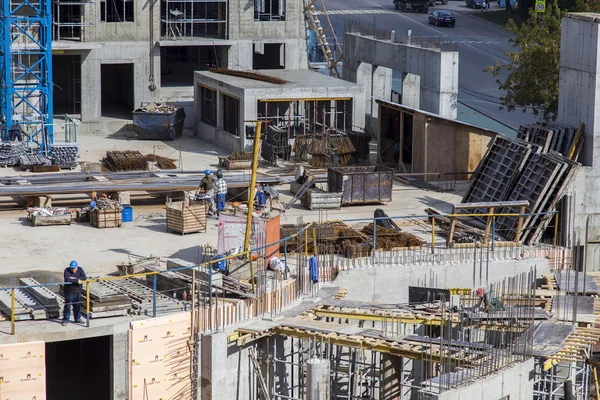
x=74, y=276
x=489, y=299
x=221, y=189
x=207, y=187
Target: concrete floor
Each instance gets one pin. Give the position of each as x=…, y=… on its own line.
x=28, y=250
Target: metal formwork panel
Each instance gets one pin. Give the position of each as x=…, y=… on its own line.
x=537, y=178
x=542, y=137
x=551, y=201
x=498, y=170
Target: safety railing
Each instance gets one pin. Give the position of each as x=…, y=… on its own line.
x=274, y=291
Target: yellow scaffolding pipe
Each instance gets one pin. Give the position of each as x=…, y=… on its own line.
x=12, y=311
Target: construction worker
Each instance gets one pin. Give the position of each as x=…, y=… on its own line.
x=74, y=275
x=221, y=189
x=207, y=185
x=489, y=299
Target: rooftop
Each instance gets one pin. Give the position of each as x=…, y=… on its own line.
x=296, y=79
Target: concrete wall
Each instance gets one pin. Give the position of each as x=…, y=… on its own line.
x=390, y=285
x=514, y=383
x=578, y=102
x=438, y=74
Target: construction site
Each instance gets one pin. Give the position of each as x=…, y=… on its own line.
x=247, y=227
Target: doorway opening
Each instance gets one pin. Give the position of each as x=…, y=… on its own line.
x=76, y=366
x=66, y=77
x=116, y=91
x=272, y=57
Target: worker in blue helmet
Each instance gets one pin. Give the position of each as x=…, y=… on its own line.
x=74, y=276
x=207, y=185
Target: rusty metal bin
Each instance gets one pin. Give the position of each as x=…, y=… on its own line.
x=361, y=185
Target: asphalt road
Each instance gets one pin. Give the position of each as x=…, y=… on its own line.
x=479, y=42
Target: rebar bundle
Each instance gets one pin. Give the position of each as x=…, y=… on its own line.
x=388, y=239
x=65, y=154
x=162, y=162
x=128, y=160
x=10, y=153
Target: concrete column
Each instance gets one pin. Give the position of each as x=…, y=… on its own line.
x=411, y=90
x=391, y=378
x=120, y=365
x=240, y=55
x=90, y=87
x=364, y=77
x=382, y=86
x=317, y=379
x=215, y=378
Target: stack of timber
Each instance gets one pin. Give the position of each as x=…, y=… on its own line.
x=65, y=154
x=186, y=218
x=52, y=302
x=129, y=160
x=10, y=153
x=105, y=300
x=389, y=239
x=517, y=170
x=44, y=216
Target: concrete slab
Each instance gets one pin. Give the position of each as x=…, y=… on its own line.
x=548, y=338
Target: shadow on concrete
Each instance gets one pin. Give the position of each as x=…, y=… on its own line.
x=191, y=254
x=441, y=205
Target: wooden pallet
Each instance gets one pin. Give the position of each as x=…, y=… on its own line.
x=106, y=218
x=182, y=218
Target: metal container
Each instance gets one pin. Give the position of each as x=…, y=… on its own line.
x=362, y=185
x=149, y=126
x=316, y=199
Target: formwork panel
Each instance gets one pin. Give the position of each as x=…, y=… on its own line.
x=537, y=178
x=498, y=171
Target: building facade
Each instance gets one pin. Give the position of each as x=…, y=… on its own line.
x=111, y=56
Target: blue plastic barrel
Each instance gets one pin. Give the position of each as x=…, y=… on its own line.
x=127, y=214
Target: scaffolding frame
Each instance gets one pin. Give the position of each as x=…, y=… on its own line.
x=70, y=16
x=26, y=70
x=179, y=23
x=552, y=384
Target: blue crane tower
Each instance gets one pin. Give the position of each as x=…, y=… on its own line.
x=26, y=70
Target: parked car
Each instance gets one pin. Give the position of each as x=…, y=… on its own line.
x=432, y=3
x=442, y=17
x=475, y=3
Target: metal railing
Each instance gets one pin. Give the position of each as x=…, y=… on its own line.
x=272, y=292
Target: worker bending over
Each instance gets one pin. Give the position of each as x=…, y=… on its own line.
x=490, y=300
x=75, y=275
x=221, y=189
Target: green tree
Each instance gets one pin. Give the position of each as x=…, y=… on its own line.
x=533, y=69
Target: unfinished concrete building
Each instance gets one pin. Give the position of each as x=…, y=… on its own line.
x=111, y=56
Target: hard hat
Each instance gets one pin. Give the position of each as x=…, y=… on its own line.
x=73, y=264
x=479, y=292
x=92, y=204
x=219, y=173
x=207, y=172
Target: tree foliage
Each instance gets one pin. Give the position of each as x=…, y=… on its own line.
x=533, y=68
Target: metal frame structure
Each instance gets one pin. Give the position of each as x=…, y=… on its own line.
x=179, y=17
x=26, y=69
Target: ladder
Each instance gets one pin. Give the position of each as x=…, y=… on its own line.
x=312, y=19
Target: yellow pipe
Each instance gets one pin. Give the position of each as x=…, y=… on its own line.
x=256, y=147
x=306, y=242
x=315, y=240
x=87, y=303
x=251, y=273
x=12, y=311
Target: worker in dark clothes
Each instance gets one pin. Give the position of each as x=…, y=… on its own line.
x=75, y=275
